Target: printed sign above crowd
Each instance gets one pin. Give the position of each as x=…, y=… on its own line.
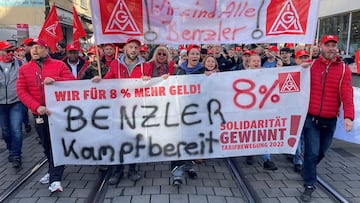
x=183, y=117
x=205, y=21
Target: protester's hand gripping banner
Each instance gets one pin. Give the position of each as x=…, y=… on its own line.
x=205, y=21
x=183, y=117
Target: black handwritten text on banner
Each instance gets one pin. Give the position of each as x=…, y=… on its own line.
x=184, y=117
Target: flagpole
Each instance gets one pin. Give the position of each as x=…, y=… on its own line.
x=97, y=58
x=116, y=51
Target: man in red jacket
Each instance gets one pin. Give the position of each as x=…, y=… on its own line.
x=330, y=86
x=128, y=65
x=40, y=71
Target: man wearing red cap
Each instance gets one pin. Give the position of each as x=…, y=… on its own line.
x=40, y=71
x=244, y=61
x=26, y=43
x=330, y=86
x=77, y=65
x=271, y=57
x=109, y=54
x=128, y=65
x=144, y=52
x=11, y=109
x=92, y=69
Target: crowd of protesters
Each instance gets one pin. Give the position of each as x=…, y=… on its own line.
x=24, y=71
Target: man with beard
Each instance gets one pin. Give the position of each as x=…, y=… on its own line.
x=330, y=86
x=92, y=69
x=224, y=64
x=60, y=53
x=40, y=71
x=109, y=54
x=76, y=63
x=128, y=65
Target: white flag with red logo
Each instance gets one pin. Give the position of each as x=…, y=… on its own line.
x=205, y=21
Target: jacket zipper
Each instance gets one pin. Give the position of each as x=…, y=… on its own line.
x=39, y=82
x=323, y=87
x=6, y=82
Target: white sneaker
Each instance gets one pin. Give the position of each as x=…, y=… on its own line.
x=55, y=187
x=45, y=179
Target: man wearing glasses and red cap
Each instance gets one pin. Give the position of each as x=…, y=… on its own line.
x=11, y=109
x=330, y=86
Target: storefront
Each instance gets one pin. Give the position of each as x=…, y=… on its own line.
x=341, y=18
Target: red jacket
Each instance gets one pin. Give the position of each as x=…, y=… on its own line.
x=30, y=87
x=325, y=93
x=118, y=69
x=170, y=68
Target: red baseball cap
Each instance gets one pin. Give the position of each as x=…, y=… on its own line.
x=238, y=49
x=27, y=41
x=289, y=45
x=92, y=50
x=328, y=38
x=273, y=48
x=247, y=52
x=301, y=53
x=38, y=42
x=72, y=47
x=144, y=48
x=19, y=49
x=193, y=46
x=133, y=40
x=5, y=45
x=109, y=44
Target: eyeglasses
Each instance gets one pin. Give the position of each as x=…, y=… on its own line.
x=162, y=54
x=283, y=52
x=8, y=51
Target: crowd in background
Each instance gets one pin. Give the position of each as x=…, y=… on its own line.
x=27, y=67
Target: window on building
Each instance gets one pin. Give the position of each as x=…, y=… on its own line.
x=354, y=33
x=83, y=4
x=336, y=25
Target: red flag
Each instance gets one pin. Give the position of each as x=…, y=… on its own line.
x=78, y=29
x=51, y=31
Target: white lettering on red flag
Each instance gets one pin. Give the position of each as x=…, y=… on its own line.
x=287, y=21
x=289, y=85
x=205, y=21
x=121, y=20
x=51, y=30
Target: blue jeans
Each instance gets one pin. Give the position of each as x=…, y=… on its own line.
x=266, y=157
x=11, y=116
x=297, y=157
x=317, y=142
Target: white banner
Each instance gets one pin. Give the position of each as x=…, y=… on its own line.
x=205, y=21
x=184, y=117
x=354, y=135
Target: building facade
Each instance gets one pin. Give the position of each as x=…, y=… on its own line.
x=20, y=19
x=341, y=18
